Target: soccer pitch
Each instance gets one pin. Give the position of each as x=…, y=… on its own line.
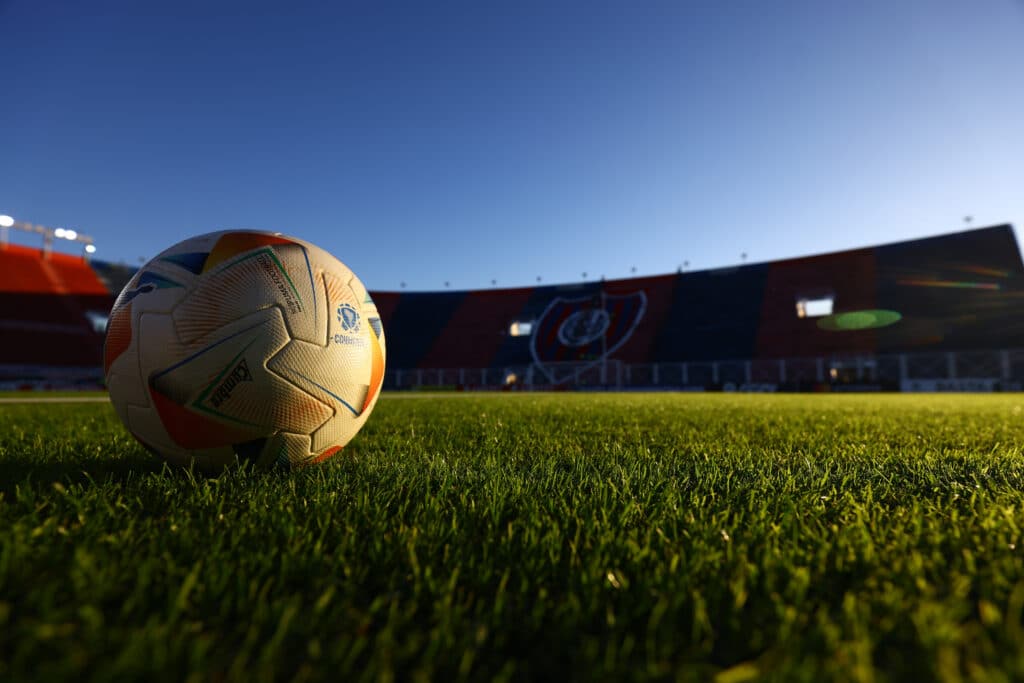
x=529, y=537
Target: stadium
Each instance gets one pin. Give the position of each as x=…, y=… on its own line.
x=592, y=484
x=942, y=312
x=512, y=342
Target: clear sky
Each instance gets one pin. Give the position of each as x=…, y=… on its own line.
x=427, y=142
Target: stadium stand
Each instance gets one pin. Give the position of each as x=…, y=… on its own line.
x=51, y=315
x=892, y=311
x=947, y=308
x=114, y=276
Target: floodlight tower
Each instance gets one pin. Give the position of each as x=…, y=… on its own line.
x=5, y=225
x=48, y=235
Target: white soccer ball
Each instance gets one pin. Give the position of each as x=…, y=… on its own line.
x=244, y=346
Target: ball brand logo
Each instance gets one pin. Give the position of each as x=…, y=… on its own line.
x=239, y=374
x=273, y=269
x=348, y=316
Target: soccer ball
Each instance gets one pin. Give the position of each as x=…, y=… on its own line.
x=244, y=346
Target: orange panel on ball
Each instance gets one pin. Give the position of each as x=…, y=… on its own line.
x=325, y=454
x=191, y=430
x=119, y=336
x=239, y=242
x=376, y=370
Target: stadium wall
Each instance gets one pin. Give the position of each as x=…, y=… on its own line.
x=957, y=293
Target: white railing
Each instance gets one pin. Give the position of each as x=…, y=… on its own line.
x=951, y=370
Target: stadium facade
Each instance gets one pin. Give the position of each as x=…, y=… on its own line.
x=943, y=312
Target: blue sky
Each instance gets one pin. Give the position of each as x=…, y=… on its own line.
x=465, y=142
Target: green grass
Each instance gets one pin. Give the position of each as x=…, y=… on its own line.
x=517, y=537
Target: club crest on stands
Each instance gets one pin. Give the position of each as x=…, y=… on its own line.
x=583, y=331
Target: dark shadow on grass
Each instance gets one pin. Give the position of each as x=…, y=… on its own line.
x=31, y=470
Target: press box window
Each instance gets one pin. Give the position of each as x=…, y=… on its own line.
x=520, y=328
x=814, y=308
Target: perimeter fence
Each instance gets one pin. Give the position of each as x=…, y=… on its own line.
x=985, y=370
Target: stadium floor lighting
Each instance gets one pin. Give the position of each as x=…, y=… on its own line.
x=6, y=221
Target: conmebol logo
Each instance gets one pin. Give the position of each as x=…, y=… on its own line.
x=348, y=316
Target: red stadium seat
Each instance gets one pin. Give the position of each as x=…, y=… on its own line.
x=43, y=306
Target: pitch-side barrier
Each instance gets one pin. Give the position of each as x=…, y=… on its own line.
x=967, y=371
